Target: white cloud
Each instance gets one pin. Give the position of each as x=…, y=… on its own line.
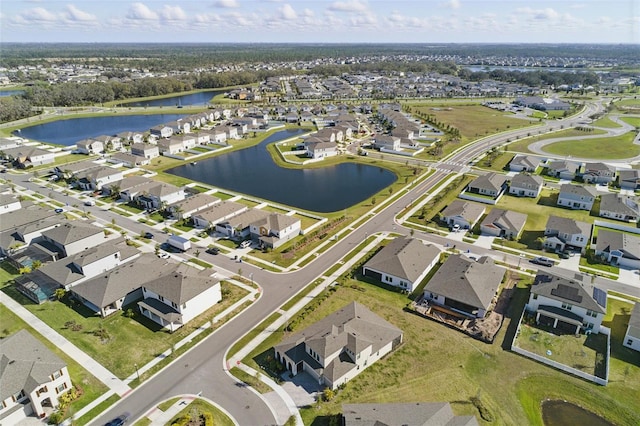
x=140, y=12
x=308, y=13
x=349, y=6
x=76, y=15
x=37, y=14
x=173, y=13
x=227, y=4
x=452, y=4
x=287, y=12
x=539, y=14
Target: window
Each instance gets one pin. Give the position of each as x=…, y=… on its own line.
x=629, y=341
x=567, y=306
x=161, y=298
x=535, y=297
x=56, y=374
x=18, y=396
x=592, y=314
x=61, y=388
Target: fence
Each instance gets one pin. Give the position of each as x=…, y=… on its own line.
x=616, y=226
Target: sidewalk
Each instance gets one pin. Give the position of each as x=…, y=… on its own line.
x=105, y=376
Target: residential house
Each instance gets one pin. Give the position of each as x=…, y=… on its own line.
x=217, y=213
x=203, y=138
x=238, y=225
x=503, y=223
x=619, y=207
x=598, y=173
x=170, y=146
x=629, y=179
x=618, y=248
x=162, y=131
x=526, y=185
x=218, y=136
x=74, y=237
x=230, y=131
x=32, y=377
x=339, y=347
x=462, y=213
x=491, y=184
x=90, y=146
x=9, y=203
x=19, y=227
x=317, y=148
x=186, y=208
x=632, y=336
x=465, y=286
x=562, y=233
x=386, y=143
x=524, y=163
x=174, y=299
x=128, y=160
x=131, y=137
x=145, y=150
x=577, y=197
x=158, y=195
x=405, y=414
x=179, y=126
x=563, y=169
x=110, y=143
x=568, y=305
x=274, y=230
x=69, y=170
x=402, y=263
x=97, y=177
x=129, y=187
x=28, y=156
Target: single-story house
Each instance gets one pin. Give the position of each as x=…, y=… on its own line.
x=524, y=163
x=503, y=223
x=563, y=169
x=632, y=336
x=339, y=347
x=462, y=213
x=526, y=185
x=402, y=263
x=128, y=160
x=32, y=377
x=618, y=248
x=619, y=207
x=28, y=156
x=491, y=184
x=577, y=197
x=9, y=203
x=465, y=286
x=629, y=179
x=569, y=305
x=238, y=226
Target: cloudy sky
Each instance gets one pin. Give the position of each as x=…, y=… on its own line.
x=419, y=21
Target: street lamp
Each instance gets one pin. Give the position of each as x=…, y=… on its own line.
x=137, y=372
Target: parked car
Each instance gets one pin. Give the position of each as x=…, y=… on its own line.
x=543, y=261
x=245, y=244
x=563, y=255
x=148, y=235
x=89, y=203
x=118, y=421
x=58, y=210
x=213, y=250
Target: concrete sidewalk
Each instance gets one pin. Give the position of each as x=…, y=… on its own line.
x=88, y=363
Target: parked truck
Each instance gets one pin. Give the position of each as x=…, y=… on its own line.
x=179, y=242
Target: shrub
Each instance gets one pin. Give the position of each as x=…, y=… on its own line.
x=56, y=418
x=208, y=419
x=182, y=421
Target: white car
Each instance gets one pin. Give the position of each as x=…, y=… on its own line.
x=163, y=255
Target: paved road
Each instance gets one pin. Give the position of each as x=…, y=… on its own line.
x=203, y=369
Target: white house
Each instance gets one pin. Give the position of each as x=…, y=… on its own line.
x=561, y=232
x=339, y=347
x=462, y=213
x=97, y=177
x=145, y=150
x=217, y=213
x=619, y=248
x=9, y=203
x=74, y=236
x=275, y=229
x=90, y=146
x=619, y=207
x=569, y=305
x=318, y=148
x=632, y=336
x=32, y=377
x=526, y=185
x=576, y=197
x=524, y=163
x=402, y=263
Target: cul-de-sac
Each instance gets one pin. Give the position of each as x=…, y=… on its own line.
x=318, y=234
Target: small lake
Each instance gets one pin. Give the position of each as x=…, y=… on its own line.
x=69, y=132
x=561, y=413
x=252, y=171
x=200, y=98
x=10, y=92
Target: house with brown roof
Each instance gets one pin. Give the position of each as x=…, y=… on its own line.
x=464, y=214
x=402, y=263
x=32, y=377
x=464, y=285
x=339, y=347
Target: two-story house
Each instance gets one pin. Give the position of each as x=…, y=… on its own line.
x=337, y=348
x=619, y=248
x=526, y=185
x=568, y=305
x=145, y=150
x=402, y=263
x=577, y=197
x=90, y=146
x=598, y=173
x=74, y=236
x=561, y=233
x=619, y=207
x=491, y=184
x=275, y=229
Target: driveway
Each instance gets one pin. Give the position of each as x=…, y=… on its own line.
x=302, y=388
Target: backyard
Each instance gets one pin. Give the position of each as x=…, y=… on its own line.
x=436, y=363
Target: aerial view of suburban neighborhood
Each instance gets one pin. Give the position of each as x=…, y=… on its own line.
x=330, y=213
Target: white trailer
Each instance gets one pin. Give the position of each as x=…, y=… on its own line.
x=179, y=242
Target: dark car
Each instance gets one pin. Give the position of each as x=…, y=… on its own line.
x=563, y=255
x=213, y=250
x=148, y=235
x=58, y=210
x=118, y=421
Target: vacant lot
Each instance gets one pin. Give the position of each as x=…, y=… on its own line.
x=522, y=145
x=612, y=148
x=436, y=363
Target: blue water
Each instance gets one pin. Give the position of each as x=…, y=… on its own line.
x=200, y=98
x=10, y=92
x=69, y=132
x=252, y=171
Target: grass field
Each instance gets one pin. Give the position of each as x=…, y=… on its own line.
x=606, y=122
x=612, y=148
x=436, y=363
x=142, y=337
x=521, y=145
x=634, y=121
x=198, y=407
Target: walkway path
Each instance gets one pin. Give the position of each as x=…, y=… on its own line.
x=105, y=376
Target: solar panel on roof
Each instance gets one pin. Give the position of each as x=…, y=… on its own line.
x=600, y=297
x=567, y=292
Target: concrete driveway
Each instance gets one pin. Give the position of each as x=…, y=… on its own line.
x=302, y=388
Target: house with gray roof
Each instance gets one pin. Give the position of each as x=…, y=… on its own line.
x=9, y=203
x=569, y=305
x=632, y=336
x=238, y=225
x=127, y=159
x=526, y=185
x=406, y=414
x=32, y=377
x=577, y=197
x=503, y=223
x=90, y=146
x=28, y=156
x=619, y=207
x=20, y=227
x=618, y=248
x=74, y=237
x=97, y=177
x=340, y=346
x=402, y=263
x=462, y=213
x=186, y=208
x=629, y=179
x=562, y=232
x=464, y=286
x=598, y=173
x=563, y=169
x=491, y=184
x=318, y=148
x=275, y=229
x=524, y=163
x=146, y=150
x=217, y=213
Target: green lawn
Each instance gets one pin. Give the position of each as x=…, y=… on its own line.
x=143, y=338
x=521, y=145
x=91, y=387
x=634, y=121
x=436, y=363
x=612, y=148
x=606, y=122
x=198, y=407
x=428, y=213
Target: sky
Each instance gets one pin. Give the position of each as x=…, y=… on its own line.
x=318, y=21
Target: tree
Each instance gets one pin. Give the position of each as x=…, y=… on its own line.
x=196, y=253
x=373, y=201
x=59, y=293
